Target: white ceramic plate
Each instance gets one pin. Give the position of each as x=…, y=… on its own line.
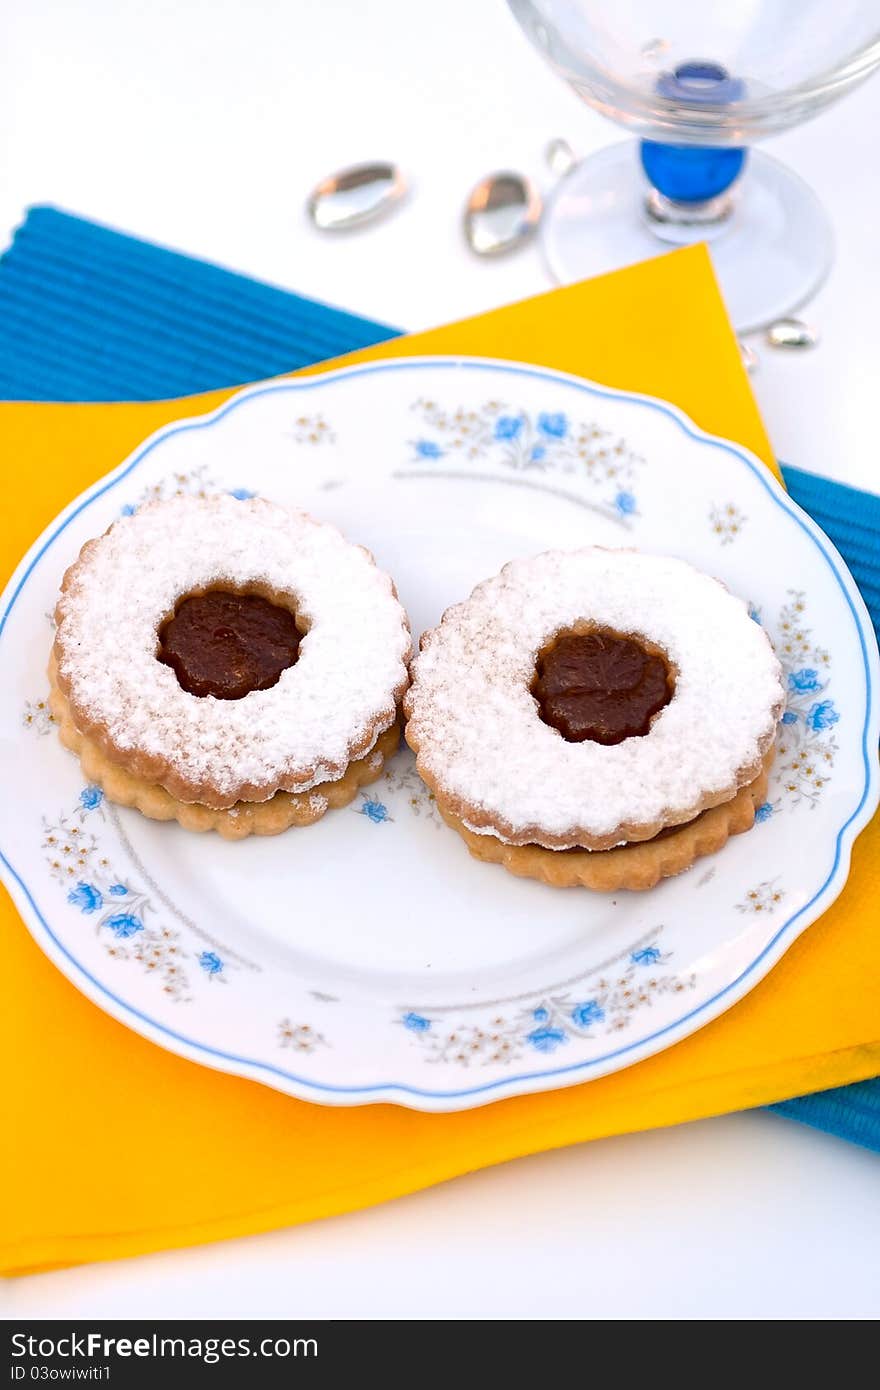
x=368, y=958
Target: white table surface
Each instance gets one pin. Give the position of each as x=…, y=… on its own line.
x=203, y=124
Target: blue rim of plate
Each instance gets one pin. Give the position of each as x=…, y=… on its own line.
x=709, y=1008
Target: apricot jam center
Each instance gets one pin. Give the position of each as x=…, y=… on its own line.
x=227, y=644
x=600, y=686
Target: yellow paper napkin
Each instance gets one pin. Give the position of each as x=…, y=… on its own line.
x=114, y=1147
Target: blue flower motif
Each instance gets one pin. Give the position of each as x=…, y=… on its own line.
x=86, y=897
x=210, y=962
x=417, y=1023
x=538, y=453
x=822, y=715
x=590, y=1011
x=124, y=924
x=90, y=798
x=128, y=510
x=427, y=449
x=554, y=426
x=508, y=426
x=241, y=494
x=118, y=890
x=625, y=504
x=755, y=614
x=763, y=812
x=546, y=1039
x=540, y=1015
x=374, y=809
x=804, y=682
x=648, y=955
x=789, y=717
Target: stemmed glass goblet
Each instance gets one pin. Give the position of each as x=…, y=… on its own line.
x=698, y=81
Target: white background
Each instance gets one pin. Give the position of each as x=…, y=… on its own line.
x=203, y=124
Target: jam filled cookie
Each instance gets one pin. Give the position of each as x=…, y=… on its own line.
x=232, y=665
x=596, y=717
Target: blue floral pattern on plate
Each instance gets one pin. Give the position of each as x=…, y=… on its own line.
x=807, y=746
x=124, y=917
x=416, y=1023
x=547, y=441
x=554, y=1018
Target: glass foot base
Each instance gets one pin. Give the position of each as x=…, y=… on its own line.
x=770, y=255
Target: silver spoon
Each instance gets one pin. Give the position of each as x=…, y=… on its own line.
x=501, y=213
x=354, y=196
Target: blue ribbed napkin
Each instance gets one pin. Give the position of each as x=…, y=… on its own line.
x=87, y=314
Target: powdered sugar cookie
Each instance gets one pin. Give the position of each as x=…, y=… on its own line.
x=590, y=700
x=225, y=652
x=280, y=812
x=636, y=866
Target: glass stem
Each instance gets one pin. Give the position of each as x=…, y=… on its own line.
x=691, y=194
x=709, y=213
